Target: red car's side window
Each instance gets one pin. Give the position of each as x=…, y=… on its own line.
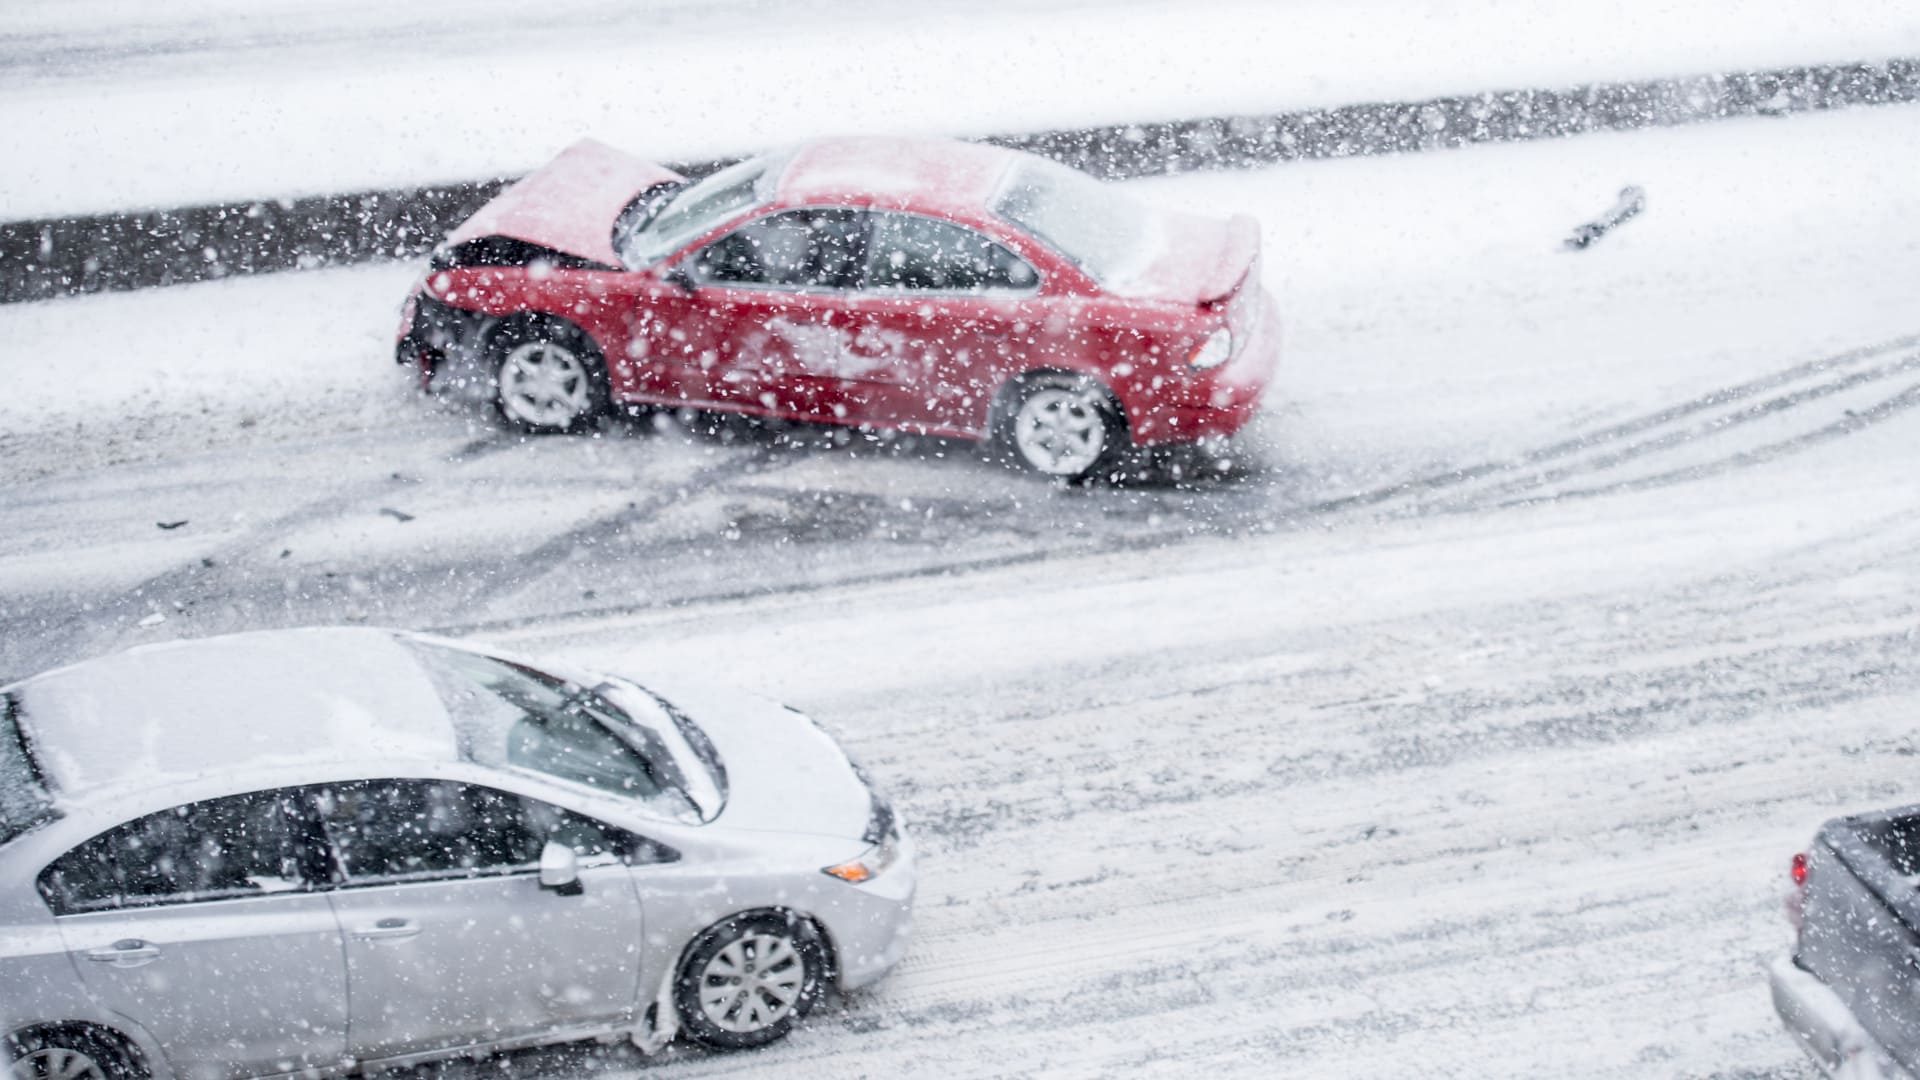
x=793, y=249
x=911, y=251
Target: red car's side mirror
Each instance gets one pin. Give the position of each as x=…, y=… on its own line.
x=679, y=275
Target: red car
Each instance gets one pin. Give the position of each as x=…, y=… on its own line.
x=919, y=285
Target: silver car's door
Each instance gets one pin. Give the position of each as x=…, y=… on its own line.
x=200, y=923
x=451, y=939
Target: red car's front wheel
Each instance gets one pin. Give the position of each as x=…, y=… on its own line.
x=547, y=377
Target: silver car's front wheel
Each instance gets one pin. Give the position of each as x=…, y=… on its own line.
x=752, y=983
x=746, y=981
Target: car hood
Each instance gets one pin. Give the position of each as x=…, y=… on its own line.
x=571, y=204
x=1198, y=259
x=784, y=774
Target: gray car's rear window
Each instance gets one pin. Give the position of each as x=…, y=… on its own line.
x=24, y=803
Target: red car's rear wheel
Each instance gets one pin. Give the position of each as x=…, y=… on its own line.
x=1061, y=425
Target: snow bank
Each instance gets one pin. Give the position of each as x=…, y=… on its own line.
x=127, y=106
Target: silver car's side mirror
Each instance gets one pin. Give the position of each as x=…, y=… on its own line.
x=560, y=869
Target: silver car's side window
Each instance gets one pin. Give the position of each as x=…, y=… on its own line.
x=388, y=831
x=241, y=846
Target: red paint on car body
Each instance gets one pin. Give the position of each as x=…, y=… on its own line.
x=927, y=361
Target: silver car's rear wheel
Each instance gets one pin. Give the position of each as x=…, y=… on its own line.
x=747, y=980
x=68, y=1054
x=56, y=1063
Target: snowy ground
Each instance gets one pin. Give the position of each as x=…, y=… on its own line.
x=125, y=104
x=1461, y=727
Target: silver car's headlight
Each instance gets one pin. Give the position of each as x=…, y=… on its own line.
x=869, y=864
x=883, y=836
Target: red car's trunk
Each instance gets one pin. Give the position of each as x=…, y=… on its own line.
x=1200, y=260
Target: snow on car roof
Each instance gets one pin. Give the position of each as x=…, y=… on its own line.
x=926, y=174
x=196, y=708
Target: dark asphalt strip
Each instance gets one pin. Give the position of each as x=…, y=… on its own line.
x=63, y=256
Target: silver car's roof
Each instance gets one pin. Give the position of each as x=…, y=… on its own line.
x=197, y=708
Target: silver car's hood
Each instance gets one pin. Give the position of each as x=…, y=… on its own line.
x=784, y=774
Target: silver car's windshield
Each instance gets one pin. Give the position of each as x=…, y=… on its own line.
x=696, y=209
x=1103, y=231
x=23, y=799
x=508, y=714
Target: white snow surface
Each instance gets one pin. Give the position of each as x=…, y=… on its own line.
x=121, y=104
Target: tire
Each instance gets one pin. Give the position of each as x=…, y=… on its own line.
x=548, y=377
x=1060, y=425
x=75, y=1053
x=783, y=957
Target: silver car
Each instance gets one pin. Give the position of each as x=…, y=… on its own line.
x=323, y=850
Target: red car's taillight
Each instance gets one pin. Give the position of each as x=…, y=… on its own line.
x=1212, y=352
x=1800, y=868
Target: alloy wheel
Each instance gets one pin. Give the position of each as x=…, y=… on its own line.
x=545, y=384
x=57, y=1063
x=752, y=983
x=1060, y=431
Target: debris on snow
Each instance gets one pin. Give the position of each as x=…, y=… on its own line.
x=1632, y=200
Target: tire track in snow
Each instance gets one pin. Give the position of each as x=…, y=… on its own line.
x=237, y=578
x=83, y=632
x=1853, y=421
x=1720, y=412
x=1104, y=520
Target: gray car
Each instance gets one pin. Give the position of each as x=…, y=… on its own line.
x=317, y=851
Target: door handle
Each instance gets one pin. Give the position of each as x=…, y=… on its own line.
x=131, y=952
x=388, y=928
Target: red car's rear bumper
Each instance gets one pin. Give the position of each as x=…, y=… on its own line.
x=1217, y=403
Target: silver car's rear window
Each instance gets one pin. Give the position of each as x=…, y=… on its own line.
x=24, y=803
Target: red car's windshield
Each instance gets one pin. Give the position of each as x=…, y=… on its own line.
x=696, y=209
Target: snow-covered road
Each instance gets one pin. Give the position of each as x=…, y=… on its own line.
x=1461, y=726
